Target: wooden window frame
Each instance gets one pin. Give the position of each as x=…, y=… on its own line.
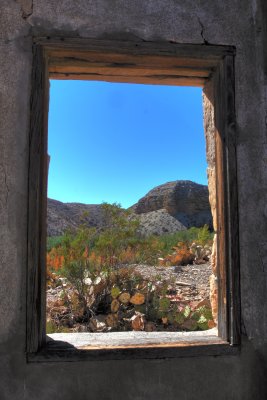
x=211, y=67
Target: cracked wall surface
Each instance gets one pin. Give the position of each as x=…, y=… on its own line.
x=26, y=8
x=238, y=23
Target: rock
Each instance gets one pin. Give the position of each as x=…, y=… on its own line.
x=97, y=323
x=82, y=328
x=213, y=257
x=187, y=201
x=112, y=320
x=159, y=222
x=212, y=194
x=179, y=283
x=190, y=325
x=214, y=281
x=202, y=303
x=211, y=324
x=202, y=254
x=164, y=320
x=138, y=322
x=214, y=296
x=150, y=327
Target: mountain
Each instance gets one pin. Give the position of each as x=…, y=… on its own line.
x=167, y=208
x=61, y=216
x=186, y=201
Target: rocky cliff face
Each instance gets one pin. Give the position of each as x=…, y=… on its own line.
x=186, y=201
x=167, y=208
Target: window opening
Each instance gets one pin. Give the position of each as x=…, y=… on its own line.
x=130, y=230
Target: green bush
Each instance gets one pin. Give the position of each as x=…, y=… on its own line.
x=200, y=235
x=204, y=236
x=53, y=241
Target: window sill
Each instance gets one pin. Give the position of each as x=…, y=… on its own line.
x=129, y=345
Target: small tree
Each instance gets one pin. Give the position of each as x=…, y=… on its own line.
x=119, y=233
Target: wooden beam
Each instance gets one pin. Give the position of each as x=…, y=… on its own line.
x=69, y=65
x=149, y=80
x=37, y=204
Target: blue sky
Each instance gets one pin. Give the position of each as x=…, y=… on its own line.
x=114, y=142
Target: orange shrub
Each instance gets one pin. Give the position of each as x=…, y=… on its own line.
x=127, y=256
x=182, y=255
x=54, y=259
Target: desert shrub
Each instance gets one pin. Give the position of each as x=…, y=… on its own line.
x=181, y=255
x=117, y=241
x=147, y=251
x=53, y=241
x=201, y=235
x=96, y=267
x=204, y=236
x=52, y=327
x=54, y=259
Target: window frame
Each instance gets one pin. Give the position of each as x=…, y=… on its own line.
x=211, y=67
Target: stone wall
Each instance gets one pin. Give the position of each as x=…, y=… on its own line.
x=209, y=130
x=229, y=22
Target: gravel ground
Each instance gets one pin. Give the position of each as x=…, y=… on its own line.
x=191, y=281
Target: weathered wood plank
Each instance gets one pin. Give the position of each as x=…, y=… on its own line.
x=214, y=52
x=152, y=80
x=227, y=204
x=64, y=353
x=37, y=205
x=142, y=60
x=66, y=65
x=43, y=214
x=129, y=345
x=233, y=278
x=222, y=259
x=135, y=338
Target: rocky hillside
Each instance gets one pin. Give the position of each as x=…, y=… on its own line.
x=167, y=208
x=61, y=216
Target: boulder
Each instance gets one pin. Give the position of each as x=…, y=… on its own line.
x=186, y=201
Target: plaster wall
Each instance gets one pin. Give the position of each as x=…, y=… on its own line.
x=241, y=23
